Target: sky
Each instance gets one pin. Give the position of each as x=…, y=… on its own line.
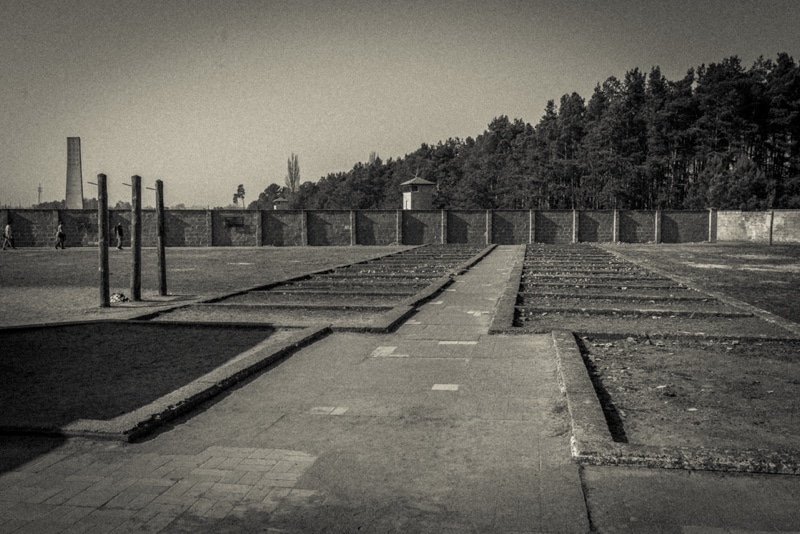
x=209, y=94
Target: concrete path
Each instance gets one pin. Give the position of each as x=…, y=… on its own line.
x=436, y=428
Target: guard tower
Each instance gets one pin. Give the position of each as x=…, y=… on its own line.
x=74, y=198
x=418, y=194
x=280, y=203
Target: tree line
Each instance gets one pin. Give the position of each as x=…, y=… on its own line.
x=723, y=136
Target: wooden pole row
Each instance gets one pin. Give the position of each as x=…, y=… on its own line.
x=136, y=239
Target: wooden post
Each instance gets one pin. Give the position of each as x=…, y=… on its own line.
x=136, y=238
x=102, y=239
x=162, y=255
x=532, y=226
x=615, y=226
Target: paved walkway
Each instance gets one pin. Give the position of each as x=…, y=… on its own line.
x=436, y=428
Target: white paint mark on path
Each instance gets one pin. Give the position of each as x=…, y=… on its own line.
x=387, y=352
x=458, y=343
x=328, y=410
x=445, y=387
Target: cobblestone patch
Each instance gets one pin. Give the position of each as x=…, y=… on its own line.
x=147, y=492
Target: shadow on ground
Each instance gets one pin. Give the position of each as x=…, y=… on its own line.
x=55, y=375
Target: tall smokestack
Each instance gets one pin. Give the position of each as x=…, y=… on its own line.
x=74, y=174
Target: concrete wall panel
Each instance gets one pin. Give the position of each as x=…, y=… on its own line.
x=282, y=228
x=553, y=227
x=376, y=227
x=637, y=226
x=684, y=226
x=235, y=228
x=596, y=226
x=328, y=228
x=422, y=227
x=466, y=227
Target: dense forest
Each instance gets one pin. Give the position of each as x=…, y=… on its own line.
x=723, y=136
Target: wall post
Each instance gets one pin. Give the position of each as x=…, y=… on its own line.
x=532, y=226
x=488, y=227
x=209, y=228
x=353, y=235
x=260, y=229
x=575, y=225
x=615, y=226
x=712, y=226
x=771, y=224
x=657, y=225
x=399, y=227
x=444, y=227
x=304, y=228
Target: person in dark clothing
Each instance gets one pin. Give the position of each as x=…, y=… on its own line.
x=8, y=237
x=119, y=234
x=60, y=236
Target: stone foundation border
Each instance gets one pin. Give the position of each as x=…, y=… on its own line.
x=142, y=421
x=591, y=442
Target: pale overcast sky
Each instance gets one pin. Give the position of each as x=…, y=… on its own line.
x=208, y=94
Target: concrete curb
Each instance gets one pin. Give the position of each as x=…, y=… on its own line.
x=135, y=424
x=591, y=442
x=503, y=320
x=392, y=319
x=211, y=299
x=467, y=265
x=384, y=323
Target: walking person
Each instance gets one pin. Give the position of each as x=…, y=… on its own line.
x=8, y=237
x=60, y=236
x=119, y=234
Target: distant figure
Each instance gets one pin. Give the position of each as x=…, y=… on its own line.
x=60, y=236
x=8, y=237
x=119, y=234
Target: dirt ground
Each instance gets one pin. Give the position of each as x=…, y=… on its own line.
x=55, y=375
x=40, y=285
x=765, y=276
x=716, y=392
x=700, y=393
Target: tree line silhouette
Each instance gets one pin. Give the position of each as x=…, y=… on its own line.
x=723, y=136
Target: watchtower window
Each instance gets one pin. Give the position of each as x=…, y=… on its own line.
x=414, y=188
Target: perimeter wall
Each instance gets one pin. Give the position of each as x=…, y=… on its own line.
x=251, y=228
